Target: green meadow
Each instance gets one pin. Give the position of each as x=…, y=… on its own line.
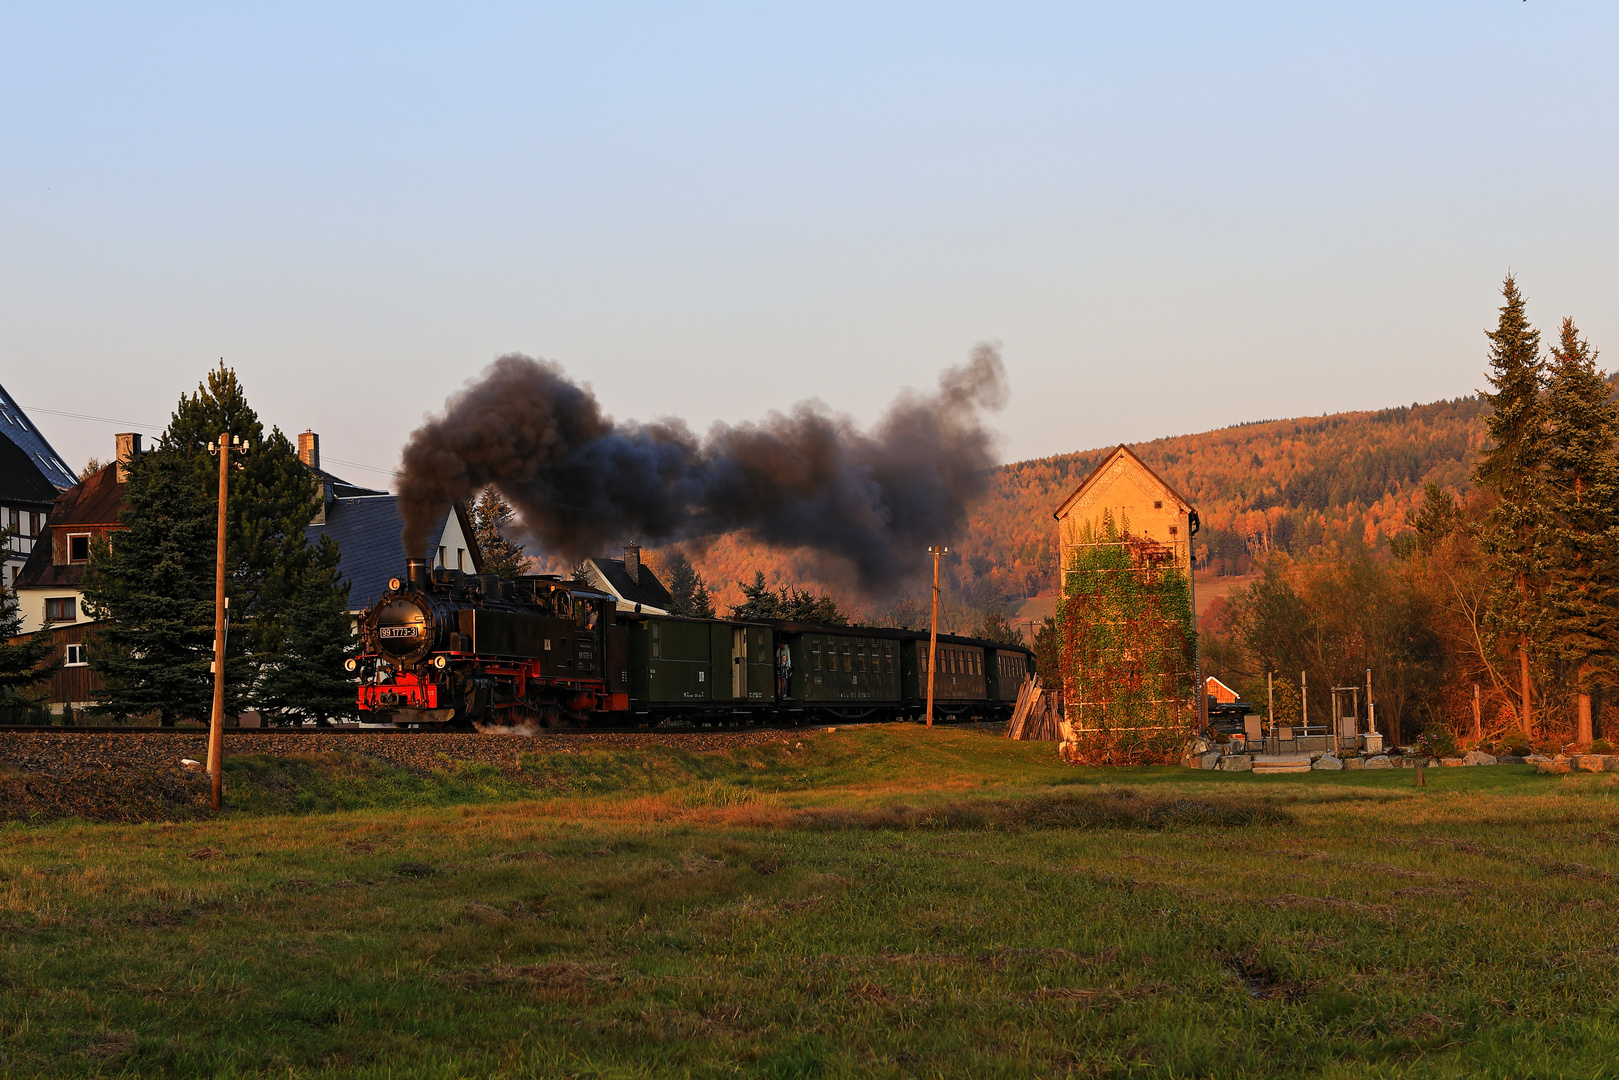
x=872, y=902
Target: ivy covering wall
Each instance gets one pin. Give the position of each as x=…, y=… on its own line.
x=1129, y=650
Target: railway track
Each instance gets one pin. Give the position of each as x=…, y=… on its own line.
x=352, y=729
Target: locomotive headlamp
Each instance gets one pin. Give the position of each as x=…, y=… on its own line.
x=441, y=662
x=351, y=664
x=395, y=585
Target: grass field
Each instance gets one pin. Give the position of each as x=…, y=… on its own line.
x=879, y=902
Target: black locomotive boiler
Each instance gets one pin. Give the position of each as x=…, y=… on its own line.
x=443, y=647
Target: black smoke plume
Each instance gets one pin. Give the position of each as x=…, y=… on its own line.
x=806, y=478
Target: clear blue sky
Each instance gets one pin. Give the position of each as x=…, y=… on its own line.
x=1173, y=217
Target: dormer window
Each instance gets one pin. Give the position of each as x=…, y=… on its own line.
x=78, y=547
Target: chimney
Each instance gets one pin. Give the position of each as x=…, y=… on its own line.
x=632, y=562
x=129, y=448
x=309, y=449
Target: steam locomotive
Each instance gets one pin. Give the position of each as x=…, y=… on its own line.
x=442, y=647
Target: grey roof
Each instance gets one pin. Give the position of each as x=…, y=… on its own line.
x=367, y=533
x=648, y=591
x=33, y=454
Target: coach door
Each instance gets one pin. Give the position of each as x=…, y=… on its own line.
x=739, y=664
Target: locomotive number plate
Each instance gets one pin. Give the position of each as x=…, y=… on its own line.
x=397, y=631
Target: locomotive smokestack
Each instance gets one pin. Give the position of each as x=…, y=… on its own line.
x=416, y=573
x=632, y=562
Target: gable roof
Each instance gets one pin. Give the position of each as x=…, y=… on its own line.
x=367, y=529
x=94, y=502
x=648, y=591
x=28, y=465
x=1124, y=451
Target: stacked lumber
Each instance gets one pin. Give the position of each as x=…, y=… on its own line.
x=1036, y=716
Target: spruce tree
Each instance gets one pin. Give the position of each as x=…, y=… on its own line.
x=306, y=680
x=271, y=501
x=491, y=515
x=1515, y=532
x=687, y=588
x=1582, y=486
x=155, y=582
x=22, y=666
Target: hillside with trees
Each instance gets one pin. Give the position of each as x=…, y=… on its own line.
x=1293, y=486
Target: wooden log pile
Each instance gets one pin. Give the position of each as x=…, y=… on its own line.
x=1037, y=716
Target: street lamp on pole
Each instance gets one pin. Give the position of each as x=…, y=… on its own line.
x=216, y=726
x=933, y=641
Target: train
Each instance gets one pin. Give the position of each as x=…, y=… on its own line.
x=443, y=648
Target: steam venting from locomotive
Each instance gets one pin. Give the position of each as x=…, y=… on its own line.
x=804, y=478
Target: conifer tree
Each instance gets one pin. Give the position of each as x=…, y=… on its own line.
x=305, y=680
x=272, y=500
x=1511, y=466
x=1582, y=486
x=687, y=587
x=491, y=515
x=155, y=583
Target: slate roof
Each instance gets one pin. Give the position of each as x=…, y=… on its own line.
x=648, y=592
x=30, y=470
x=367, y=530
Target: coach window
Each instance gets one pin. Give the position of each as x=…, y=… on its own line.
x=847, y=656
x=860, y=658
x=657, y=640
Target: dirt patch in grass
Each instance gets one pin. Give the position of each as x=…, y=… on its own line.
x=1108, y=810
x=557, y=975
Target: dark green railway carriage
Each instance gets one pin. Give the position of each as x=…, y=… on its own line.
x=852, y=671
x=1008, y=666
x=961, y=684
x=700, y=666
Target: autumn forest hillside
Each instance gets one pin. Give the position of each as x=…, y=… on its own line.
x=1291, y=485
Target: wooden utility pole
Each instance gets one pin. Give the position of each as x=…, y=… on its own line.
x=933, y=640
x=1528, y=713
x=1478, y=717
x=216, y=726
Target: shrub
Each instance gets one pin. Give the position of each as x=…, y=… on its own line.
x=1438, y=741
x=1601, y=746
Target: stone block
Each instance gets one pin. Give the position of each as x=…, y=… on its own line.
x=1209, y=759
x=1380, y=761
x=1590, y=762
x=1478, y=757
x=1548, y=767
x=1508, y=759
x=1410, y=761
x=1452, y=762
x=1327, y=761
x=1237, y=763
x=1354, y=763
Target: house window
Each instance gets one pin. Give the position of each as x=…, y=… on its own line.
x=13, y=516
x=1158, y=504
x=78, y=548
x=460, y=558
x=77, y=656
x=60, y=609
x=33, y=524
x=441, y=556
